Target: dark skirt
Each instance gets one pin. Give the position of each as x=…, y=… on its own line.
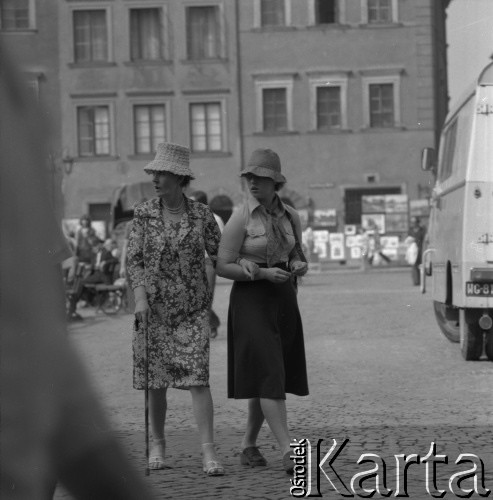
x=266, y=351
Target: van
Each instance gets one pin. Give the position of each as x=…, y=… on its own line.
x=458, y=256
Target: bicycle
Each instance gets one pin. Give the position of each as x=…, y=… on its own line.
x=110, y=298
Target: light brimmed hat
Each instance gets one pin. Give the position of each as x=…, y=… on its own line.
x=171, y=158
x=264, y=163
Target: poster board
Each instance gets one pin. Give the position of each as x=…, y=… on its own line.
x=336, y=241
x=325, y=217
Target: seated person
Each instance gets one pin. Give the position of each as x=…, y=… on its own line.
x=102, y=272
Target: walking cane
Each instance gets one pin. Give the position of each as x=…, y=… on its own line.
x=146, y=391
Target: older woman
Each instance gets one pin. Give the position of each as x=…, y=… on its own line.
x=166, y=267
x=260, y=251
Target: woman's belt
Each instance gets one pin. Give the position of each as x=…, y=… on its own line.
x=280, y=265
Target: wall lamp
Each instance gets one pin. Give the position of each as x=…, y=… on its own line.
x=68, y=164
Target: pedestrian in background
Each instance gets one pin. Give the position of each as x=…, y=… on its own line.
x=86, y=240
x=53, y=426
x=210, y=268
x=260, y=251
x=418, y=232
x=166, y=267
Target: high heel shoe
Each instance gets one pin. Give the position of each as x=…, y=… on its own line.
x=156, y=456
x=211, y=467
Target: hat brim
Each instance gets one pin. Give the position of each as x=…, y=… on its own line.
x=157, y=166
x=263, y=172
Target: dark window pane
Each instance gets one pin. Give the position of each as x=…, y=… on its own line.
x=379, y=11
x=145, y=34
x=14, y=14
x=382, y=105
x=272, y=13
x=275, y=110
x=328, y=107
x=326, y=11
x=90, y=36
x=203, y=33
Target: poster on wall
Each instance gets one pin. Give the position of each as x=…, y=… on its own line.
x=320, y=243
x=352, y=241
x=372, y=204
x=336, y=241
x=396, y=203
x=350, y=229
x=390, y=241
x=325, y=217
x=355, y=252
x=397, y=223
x=369, y=221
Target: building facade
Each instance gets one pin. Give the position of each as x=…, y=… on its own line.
x=348, y=92
x=136, y=73
x=345, y=91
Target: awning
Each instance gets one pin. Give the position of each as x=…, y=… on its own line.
x=130, y=195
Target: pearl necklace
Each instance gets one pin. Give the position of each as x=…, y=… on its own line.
x=176, y=210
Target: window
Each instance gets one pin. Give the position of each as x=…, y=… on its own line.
x=381, y=98
x=449, y=147
x=16, y=14
x=204, y=33
x=149, y=127
x=326, y=11
x=146, y=34
x=381, y=105
x=328, y=101
x=328, y=107
x=379, y=11
x=206, y=129
x=93, y=129
x=275, y=116
x=274, y=103
x=90, y=36
x=272, y=13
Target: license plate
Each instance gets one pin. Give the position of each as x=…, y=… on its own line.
x=479, y=289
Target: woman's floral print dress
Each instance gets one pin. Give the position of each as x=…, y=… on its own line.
x=168, y=258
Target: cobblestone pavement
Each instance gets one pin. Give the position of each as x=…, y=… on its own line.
x=381, y=375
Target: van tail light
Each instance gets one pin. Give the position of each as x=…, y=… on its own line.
x=482, y=275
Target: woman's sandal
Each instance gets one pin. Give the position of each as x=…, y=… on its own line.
x=212, y=467
x=156, y=457
x=251, y=456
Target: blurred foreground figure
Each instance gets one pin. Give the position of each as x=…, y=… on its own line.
x=52, y=426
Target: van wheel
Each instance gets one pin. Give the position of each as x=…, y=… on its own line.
x=450, y=328
x=488, y=345
x=472, y=344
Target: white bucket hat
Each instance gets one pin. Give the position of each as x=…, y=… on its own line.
x=171, y=158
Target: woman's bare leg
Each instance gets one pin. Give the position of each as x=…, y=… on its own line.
x=254, y=423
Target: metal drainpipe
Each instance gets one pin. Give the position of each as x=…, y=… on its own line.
x=238, y=85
